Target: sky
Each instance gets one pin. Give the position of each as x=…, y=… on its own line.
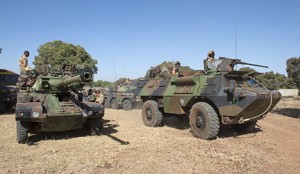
x=127, y=37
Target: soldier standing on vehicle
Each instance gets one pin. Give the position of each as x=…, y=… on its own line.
x=23, y=61
x=175, y=70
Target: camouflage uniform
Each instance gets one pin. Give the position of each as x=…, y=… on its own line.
x=91, y=95
x=175, y=70
x=211, y=62
x=99, y=97
x=211, y=55
x=23, y=63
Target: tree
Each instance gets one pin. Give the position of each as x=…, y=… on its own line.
x=247, y=69
x=272, y=80
x=168, y=65
x=292, y=68
x=101, y=83
x=58, y=52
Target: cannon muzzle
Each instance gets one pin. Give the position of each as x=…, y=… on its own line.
x=86, y=75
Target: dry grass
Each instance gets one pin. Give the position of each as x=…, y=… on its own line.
x=168, y=149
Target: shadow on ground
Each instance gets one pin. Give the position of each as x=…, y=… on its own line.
x=290, y=112
x=225, y=131
x=108, y=130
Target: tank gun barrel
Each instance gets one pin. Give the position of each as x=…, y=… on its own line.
x=86, y=75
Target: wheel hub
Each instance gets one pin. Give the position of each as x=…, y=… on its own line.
x=200, y=121
x=149, y=114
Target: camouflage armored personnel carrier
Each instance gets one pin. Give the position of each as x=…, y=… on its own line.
x=122, y=96
x=8, y=89
x=54, y=102
x=218, y=95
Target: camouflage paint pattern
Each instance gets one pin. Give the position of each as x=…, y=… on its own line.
x=54, y=102
x=177, y=94
x=123, y=96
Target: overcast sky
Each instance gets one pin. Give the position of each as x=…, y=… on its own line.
x=127, y=37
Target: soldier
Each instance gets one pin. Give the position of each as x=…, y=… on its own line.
x=91, y=95
x=211, y=62
x=23, y=61
x=99, y=97
x=175, y=70
x=211, y=55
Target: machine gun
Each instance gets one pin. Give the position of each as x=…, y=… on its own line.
x=227, y=64
x=238, y=61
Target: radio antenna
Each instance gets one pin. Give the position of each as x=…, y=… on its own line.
x=236, y=40
x=114, y=69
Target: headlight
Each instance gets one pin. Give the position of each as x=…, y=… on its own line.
x=35, y=114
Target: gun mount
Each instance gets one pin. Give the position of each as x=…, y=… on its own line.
x=224, y=64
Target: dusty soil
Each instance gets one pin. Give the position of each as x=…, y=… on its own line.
x=130, y=147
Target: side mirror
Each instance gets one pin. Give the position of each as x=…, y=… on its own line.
x=232, y=86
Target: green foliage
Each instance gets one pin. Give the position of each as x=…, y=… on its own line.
x=292, y=68
x=271, y=79
x=120, y=81
x=169, y=65
x=247, y=69
x=58, y=52
x=101, y=83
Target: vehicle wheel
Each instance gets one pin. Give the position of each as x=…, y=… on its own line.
x=152, y=117
x=127, y=105
x=22, y=131
x=106, y=103
x=245, y=127
x=114, y=104
x=95, y=126
x=204, y=121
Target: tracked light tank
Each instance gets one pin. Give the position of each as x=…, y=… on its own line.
x=52, y=101
x=211, y=97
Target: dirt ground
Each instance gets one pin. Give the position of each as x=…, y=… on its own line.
x=127, y=146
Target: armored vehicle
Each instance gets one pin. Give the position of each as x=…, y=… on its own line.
x=217, y=95
x=8, y=89
x=51, y=100
x=122, y=96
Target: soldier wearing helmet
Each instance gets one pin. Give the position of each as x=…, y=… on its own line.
x=175, y=70
x=211, y=55
x=211, y=62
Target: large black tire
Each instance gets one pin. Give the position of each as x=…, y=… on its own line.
x=95, y=126
x=127, y=105
x=152, y=117
x=22, y=131
x=247, y=127
x=106, y=103
x=204, y=121
x=114, y=104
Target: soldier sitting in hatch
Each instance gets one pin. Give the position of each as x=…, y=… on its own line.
x=211, y=62
x=175, y=70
